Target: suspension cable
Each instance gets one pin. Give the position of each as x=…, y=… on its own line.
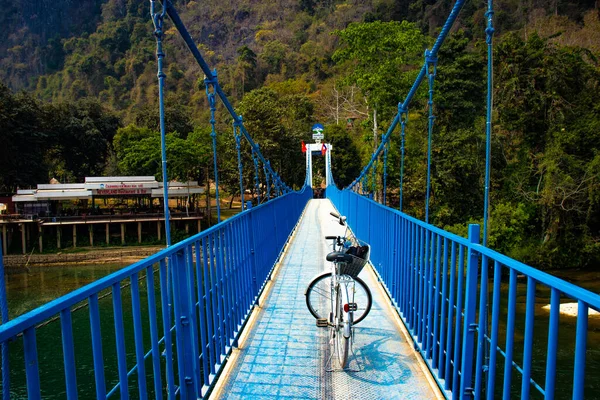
x=238, y=139
x=158, y=20
x=256, y=178
x=385, y=159
x=267, y=182
x=212, y=102
x=431, y=70
x=403, y=112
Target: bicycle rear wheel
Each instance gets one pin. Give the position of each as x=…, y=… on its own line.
x=318, y=297
x=342, y=342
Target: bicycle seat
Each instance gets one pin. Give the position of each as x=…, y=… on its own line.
x=338, y=256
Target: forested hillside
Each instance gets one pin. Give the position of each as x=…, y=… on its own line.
x=88, y=70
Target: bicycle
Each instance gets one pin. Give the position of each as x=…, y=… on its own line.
x=339, y=299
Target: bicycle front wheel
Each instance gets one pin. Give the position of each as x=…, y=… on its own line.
x=318, y=298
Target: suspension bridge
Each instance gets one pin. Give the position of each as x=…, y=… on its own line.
x=222, y=314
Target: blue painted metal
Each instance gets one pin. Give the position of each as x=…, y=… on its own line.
x=167, y=323
x=120, y=342
x=458, y=367
x=510, y=327
x=431, y=69
x=385, y=159
x=97, y=346
x=158, y=20
x=491, y=383
x=238, y=137
x=154, y=339
x=403, y=112
x=210, y=305
x=468, y=337
x=552, y=343
x=138, y=335
x=212, y=103
x=68, y=353
x=528, y=342
x=32, y=371
x=489, y=31
x=4, y=320
x=482, y=344
x=268, y=191
x=256, y=177
x=580, y=350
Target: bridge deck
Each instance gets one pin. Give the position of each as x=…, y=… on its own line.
x=284, y=354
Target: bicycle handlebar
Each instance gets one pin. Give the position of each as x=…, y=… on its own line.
x=334, y=214
x=330, y=237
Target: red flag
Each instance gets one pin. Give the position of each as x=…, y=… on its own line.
x=303, y=147
x=323, y=149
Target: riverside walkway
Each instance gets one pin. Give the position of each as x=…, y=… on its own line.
x=283, y=353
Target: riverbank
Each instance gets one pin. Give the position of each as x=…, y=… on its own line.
x=106, y=255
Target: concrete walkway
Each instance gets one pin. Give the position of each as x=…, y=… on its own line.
x=284, y=355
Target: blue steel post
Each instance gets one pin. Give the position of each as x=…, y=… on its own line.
x=95, y=328
x=253, y=258
x=4, y=312
x=580, y=350
x=212, y=102
x=488, y=124
x=469, y=328
x=256, y=178
x=403, y=112
x=32, y=372
x=385, y=159
x=120, y=341
x=158, y=20
x=491, y=383
x=482, y=327
x=489, y=31
x=431, y=67
x=66, y=325
x=268, y=191
x=528, y=342
x=185, y=354
x=238, y=139
x=510, y=328
x=552, y=344
x=138, y=335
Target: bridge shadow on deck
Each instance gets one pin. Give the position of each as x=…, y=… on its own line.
x=285, y=353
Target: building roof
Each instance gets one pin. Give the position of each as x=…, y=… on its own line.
x=106, y=186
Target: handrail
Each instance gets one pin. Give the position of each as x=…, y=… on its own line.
x=436, y=280
x=208, y=285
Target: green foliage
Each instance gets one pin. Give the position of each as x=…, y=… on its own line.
x=279, y=124
x=138, y=152
x=284, y=69
x=381, y=55
x=24, y=141
x=345, y=157
x=64, y=140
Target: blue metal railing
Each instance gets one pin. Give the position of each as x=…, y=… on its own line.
x=199, y=292
x=438, y=283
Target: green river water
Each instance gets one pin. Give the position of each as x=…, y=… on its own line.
x=27, y=290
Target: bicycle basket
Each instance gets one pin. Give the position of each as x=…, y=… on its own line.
x=353, y=268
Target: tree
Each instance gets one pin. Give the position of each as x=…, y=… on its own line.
x=24, y=141
x=380, y=57
x=138, y=152
x=82, y=134
x=279, y=124
x=345, y=157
